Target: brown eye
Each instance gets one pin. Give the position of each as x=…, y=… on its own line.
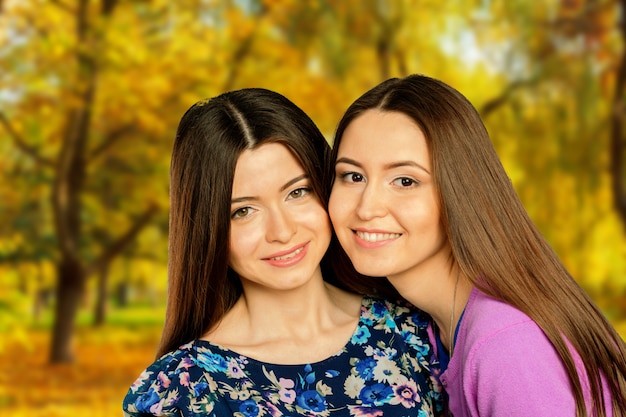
x=357, y=177
x=406, y=182
x=240, y=213
x=299, y=192
x=352, y=177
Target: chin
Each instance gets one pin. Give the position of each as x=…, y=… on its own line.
x=372, y=270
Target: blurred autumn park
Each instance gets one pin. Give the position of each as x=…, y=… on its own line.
x=91, y=93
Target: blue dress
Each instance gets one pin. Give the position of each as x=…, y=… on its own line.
x=385, y=369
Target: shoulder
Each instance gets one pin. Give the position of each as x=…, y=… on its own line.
x=168, y=383
x=487, y=317
x=492, y=329
x=498, y=336
x=503, y=358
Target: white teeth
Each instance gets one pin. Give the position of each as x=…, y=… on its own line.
x=377, y=237
x=291, y=255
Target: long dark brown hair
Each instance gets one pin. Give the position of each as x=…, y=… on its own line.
x=493, y=240
x=211, y=136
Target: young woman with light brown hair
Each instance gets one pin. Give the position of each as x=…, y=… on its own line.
x=420, y=197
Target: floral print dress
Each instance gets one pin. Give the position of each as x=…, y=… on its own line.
x=387, y=368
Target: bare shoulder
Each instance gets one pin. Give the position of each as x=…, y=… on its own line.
x=230, y=327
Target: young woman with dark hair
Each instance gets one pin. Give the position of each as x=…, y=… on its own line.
x=420, y=197
x=254, y=325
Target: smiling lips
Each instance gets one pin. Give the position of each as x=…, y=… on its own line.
x=374, y=240
x=376, y=237
x=289, y=257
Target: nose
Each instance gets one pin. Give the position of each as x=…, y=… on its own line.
x=371, y=203
x=280, y=226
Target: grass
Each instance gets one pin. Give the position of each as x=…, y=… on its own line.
x=135, y=316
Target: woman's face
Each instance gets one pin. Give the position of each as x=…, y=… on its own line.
x=279, y=230
x=383, y=204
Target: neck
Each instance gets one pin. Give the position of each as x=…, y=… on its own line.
x=445, y=307
x=261, y=315
x=285, y=311
x=289, y=327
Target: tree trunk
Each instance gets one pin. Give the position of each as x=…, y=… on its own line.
x=66, y=201
x=38, y=305
x=69, y=292
x=122, y=294
x=41, y=298
x=99, y=316
x=42, y=302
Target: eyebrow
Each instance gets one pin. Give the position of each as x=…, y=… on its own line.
x=283, y=188
x=391, y=165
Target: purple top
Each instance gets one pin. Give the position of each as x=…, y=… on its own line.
x=504, y=365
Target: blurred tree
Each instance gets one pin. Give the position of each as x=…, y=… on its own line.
x=618, y=126
x=70, y=169
x=66, y=67
x=558, y=63
x=93, y=90
x=101, y=148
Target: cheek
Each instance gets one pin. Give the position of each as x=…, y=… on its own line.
x=336, y=208
x=241, y=244
x=421, y=218
x=318, y=219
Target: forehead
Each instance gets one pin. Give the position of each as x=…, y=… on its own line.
x=384, y=136
x=266, y=166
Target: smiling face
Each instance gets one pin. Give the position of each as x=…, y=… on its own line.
x=383, y=204
x=279, y=230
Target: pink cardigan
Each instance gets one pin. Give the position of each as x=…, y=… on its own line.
x=504, y=365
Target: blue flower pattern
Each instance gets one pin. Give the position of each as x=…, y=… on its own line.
x=385, y=369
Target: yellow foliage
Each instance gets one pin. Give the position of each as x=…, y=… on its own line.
x=154, y=59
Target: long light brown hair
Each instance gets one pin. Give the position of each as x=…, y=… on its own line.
x=211, y=136
x=493, y=240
